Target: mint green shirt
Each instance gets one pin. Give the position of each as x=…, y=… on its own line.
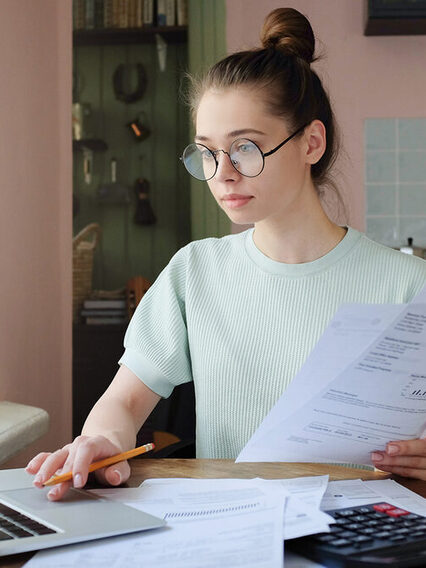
x=240, y=325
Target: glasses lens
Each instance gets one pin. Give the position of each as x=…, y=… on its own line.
x=199, y=161
x=246, y=157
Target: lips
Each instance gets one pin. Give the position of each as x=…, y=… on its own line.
x=235, y=200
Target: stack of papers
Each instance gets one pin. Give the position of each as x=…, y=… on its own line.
x=212, y=523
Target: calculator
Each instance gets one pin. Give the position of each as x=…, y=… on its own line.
x=367, y=536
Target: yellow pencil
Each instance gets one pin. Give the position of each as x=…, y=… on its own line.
x=102, y=463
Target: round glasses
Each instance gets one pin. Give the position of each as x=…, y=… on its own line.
x=245, y=155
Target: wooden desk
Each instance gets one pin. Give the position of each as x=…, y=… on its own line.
x=203, y=468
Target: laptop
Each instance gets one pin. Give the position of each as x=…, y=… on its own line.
x=28, y=521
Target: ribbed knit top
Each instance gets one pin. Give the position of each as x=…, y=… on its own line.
x=240, y=325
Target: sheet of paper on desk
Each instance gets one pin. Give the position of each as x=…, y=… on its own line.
x=302, y=514
x=380, y=396
x=354, y=492
x=246, y=531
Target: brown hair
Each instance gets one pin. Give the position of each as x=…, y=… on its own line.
x=281, y=68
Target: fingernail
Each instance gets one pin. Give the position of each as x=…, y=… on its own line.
x=375, y=456
x=53, y=492
x=117, y=476
x=77, y=480
x=38, y=478
x=392, y=449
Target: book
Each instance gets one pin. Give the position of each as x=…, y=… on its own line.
x=123, y=13
x=108, y=13
x=105, y=321
x=148, y=12
x=170, y=13
x=79, y=14
x=111, y=313
x=139, y=14
x=99, y=14
x=131, y=16
x=102, y=304
x=90, y=14
x=182, y=12
x=161, y=12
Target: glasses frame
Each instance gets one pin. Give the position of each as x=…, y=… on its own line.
x=263, y=154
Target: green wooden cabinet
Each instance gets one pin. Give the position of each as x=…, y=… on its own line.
x=184, y=208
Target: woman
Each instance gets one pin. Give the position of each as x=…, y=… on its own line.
x=239, y=315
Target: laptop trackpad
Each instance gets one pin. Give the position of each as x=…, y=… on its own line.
x=36, y=499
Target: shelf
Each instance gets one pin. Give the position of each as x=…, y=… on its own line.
x=124, y=36
x=94, y=144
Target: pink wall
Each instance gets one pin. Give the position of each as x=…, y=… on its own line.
x=35, y=211
x=366, y=76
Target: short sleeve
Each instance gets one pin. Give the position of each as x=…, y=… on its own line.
x=156, y=341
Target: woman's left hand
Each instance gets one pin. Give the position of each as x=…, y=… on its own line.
x=406, y=458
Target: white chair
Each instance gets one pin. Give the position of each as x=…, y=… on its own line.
x=20, y=425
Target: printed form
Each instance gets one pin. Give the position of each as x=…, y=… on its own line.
x=367, y=384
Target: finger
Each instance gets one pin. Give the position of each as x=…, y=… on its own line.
x=407, y=447
x=381, y=458
x=58, y=491
x=54, y=462
x=90, y=450
x=34, y=465
x=405, y=471
x=115, y=474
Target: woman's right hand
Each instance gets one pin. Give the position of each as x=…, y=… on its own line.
x=77, y=457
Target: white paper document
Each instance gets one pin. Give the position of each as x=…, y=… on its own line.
x=205, y=529
x=366, y=385
x=354, y=492
x=302, y=512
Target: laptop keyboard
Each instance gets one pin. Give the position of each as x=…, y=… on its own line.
x=14, y=524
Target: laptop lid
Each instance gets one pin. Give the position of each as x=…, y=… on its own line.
x=29, y=521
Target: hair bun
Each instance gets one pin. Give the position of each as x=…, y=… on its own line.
x=289, y=31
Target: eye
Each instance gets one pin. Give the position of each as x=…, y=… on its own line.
x=245, y=147
x=205, y=153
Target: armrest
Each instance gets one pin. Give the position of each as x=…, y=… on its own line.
x=20, y=425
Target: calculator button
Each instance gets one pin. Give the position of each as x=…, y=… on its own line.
x=354, y=526
x=339, y=542
x=376, y=515
x=362, y=539
x=345, y=513
x=368, y=530
x=397, y=538
x=382, y=507
x=347, y=534
x=372, y=523
x=383, y=534
x=324, y=537
x=402, y=531
x=358, y=518
x=396, y=512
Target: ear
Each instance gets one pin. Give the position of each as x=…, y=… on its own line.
x=316, y=141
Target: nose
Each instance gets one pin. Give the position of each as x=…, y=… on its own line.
x=225, y=170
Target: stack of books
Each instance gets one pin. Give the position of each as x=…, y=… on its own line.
x=104, y=311
x=96, y=14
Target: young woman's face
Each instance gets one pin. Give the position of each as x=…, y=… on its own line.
x=279, y=190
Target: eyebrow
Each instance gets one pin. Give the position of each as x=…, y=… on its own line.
x=233, y=134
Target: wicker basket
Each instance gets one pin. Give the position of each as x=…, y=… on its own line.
x=83, y=248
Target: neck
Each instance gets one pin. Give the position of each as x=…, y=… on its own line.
x=298, y=238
